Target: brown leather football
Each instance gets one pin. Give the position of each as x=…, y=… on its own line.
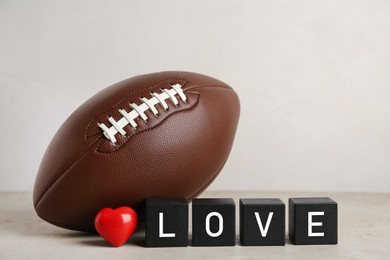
x=162, y=135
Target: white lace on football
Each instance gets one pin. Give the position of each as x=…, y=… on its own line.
x=139, y=111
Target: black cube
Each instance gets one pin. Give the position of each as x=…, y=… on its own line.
x=166, y=223
x=262, y=222
x=213, y=222
x=312, y=221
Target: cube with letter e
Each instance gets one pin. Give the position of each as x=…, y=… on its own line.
x=312, y=221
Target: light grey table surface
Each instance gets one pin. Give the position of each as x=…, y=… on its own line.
x=364, y=233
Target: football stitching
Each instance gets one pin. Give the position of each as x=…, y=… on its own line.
x=87, y=135
x=138, y=111
x=142, y=131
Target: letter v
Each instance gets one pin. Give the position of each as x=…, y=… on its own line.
x=263, y=230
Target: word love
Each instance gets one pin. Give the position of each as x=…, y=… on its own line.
x=262, y=222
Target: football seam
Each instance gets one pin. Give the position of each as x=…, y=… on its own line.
x=65, y=171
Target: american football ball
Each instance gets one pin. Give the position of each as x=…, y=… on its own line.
x=164, y=135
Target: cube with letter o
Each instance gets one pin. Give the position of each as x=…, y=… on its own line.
x=213, y=222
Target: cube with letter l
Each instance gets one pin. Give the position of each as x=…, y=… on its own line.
x=166, y=222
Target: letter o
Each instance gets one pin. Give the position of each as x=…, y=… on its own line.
x=220, y=229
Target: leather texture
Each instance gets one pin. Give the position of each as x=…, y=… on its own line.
x=176, y=154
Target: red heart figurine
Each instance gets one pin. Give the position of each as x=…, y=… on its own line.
x=116, y=225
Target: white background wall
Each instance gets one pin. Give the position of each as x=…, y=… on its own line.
x=313, y=78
